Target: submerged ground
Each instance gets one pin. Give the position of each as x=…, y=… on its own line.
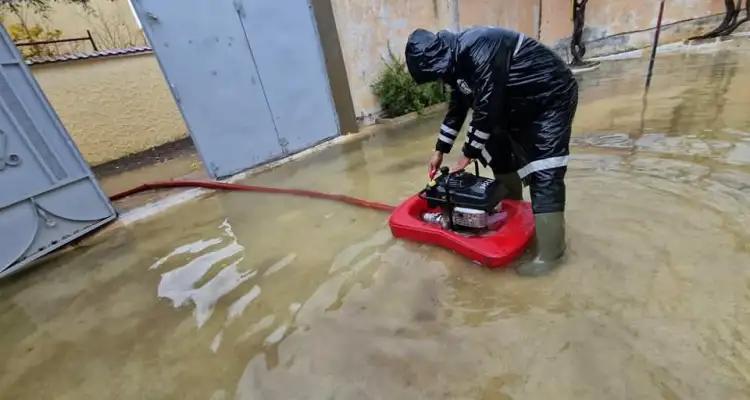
x=251, y=296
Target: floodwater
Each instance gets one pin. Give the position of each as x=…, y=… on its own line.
x=250, y=296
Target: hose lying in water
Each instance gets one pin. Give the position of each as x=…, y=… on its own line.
x=250, y=188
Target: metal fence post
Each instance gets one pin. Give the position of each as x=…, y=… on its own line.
x=91, y=39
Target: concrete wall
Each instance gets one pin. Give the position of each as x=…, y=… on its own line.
x=366, y=29
x=619, y=25
x=114, y=106
x=520, y=15
x=556, y=21
x=606, y=18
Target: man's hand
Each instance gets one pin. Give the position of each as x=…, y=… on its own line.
x=461, y=164
x=435, y=162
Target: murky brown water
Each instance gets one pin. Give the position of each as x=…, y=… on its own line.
x=256, y=297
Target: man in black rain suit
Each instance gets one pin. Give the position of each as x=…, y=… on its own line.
x=523, y=99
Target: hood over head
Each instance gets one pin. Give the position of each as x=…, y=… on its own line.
x=429, y=56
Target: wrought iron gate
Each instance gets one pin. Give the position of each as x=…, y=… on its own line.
x=48, y=196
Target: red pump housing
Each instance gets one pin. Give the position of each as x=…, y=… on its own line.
x=493, y=249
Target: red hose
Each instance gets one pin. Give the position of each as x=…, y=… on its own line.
x=249, y=188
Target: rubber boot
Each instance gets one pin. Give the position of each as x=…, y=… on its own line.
x=513, y=183
x=550, y=244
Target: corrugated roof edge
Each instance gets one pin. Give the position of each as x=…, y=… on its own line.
x=87, y=56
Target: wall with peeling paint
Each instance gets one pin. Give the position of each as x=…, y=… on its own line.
x=520, y=15
x=619, y=25
x=616, y=16
x=367, y=29
x=614, y=26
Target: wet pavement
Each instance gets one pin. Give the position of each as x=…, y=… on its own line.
x=175, y=160
x=249, y=296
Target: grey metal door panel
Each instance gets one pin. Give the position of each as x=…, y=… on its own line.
x=48, y=195
x=29, y=106
x=204, y=55
x=25, y=100
x=286, y=45
x=248, y=76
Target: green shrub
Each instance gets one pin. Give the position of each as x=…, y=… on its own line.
x=399, y=94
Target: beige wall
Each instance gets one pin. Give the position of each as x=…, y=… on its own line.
x=520, y=15
x=366, y=28
x=615, y=16
x=557, y=21
x=114, y=106
x=622, y=25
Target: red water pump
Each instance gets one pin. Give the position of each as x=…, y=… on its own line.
x=468, y=214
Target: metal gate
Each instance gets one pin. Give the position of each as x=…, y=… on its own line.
x=248, y=76
x=48, y=196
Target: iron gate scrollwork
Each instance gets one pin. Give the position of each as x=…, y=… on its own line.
x=48, y=195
